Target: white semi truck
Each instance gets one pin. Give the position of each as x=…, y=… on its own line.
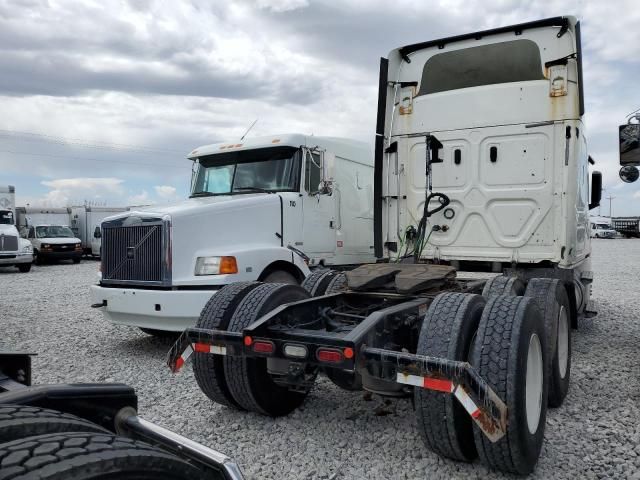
x=85, y=223
x=265, y=208
x=14, y=251
x=481, y=164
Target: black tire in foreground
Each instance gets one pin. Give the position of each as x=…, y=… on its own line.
x=317, y=282
x=447, y=332
x=87, y=456
x=250, y=384
x=551, y=297
x=216, y=314
x=510, y=354
x=19, y=421
x=24, y=267
x=502, y=285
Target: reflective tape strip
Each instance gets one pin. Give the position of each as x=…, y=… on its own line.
x=425, y=382
x=468, y=404
x=438, y=385
x=410, y=379
x=206, y=348
x=184, y=357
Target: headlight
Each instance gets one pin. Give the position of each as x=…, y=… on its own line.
x=216, y=265
x=27, y=249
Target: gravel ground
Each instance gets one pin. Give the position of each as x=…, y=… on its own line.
x=337, y=434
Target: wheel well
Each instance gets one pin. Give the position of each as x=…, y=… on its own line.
x=283, y=266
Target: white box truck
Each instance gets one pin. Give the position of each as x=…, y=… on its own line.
x=85, y=224
x=14, y=251
x=48, y=231
x=266, y=208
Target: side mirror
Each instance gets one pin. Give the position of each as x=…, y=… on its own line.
x=629, y=137
x=596, y=190
x=629, y=174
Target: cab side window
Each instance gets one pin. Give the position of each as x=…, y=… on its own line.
x=313, y=172
x=32, y=233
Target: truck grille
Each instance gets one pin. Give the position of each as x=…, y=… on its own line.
x=8, y=243
x=135, y=253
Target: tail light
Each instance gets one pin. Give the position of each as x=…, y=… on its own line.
x=262, y=346
x=329, y=355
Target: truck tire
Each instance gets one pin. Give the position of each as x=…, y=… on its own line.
x=86, y=456
x=337, y=284
x=317, y=282
x=207, y=368
x=24, y=267
x=510, y=354
x=19, y=421
x=249, y=381
x=447, y=332
x=551, y=298
x=280, y=276
x=76, y=260
x=503, y=285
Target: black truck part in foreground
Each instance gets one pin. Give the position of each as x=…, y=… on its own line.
x=90, y=431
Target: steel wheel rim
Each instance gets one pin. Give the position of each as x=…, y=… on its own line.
x=563, y=342
x=534, y=383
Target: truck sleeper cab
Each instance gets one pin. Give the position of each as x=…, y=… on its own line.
x=262, y=209
x=480, y=164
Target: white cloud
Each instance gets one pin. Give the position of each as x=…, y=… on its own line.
x=636, y=195
x=165, y=191
x=282, y=5
x=78, y=191
x=141, y=198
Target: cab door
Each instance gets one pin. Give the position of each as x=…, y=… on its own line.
x=318, y=208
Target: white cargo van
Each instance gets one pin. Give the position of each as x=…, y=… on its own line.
x=48, y=231
x=85, y=224
x=266, y=208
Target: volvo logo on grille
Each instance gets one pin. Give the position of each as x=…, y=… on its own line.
x=131, y=252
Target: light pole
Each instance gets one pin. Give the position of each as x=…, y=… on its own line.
x=610, y=198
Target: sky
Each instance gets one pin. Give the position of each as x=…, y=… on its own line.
x=102, y=101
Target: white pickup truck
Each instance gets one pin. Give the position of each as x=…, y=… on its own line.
x=266, y=208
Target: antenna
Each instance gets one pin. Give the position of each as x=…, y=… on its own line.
x=249, y=129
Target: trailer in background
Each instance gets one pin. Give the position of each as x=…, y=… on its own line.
x=85, y=224
x=629, y=227
x=32, y=216
x=8, y=199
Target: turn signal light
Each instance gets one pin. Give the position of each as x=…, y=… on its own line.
x=261, y=346
x=329, y=355
x=228, y=265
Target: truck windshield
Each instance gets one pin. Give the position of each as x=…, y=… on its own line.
x=261, y=170
x=6, y=218
x=54, y=231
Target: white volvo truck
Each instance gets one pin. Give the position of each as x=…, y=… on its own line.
x=265, y=208
x=14, y=251
x=481, y=164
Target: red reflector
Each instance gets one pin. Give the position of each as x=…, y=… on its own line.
x=248, y=341
x=263, y=347
x=348, y=352
x=329, y=356
x=201, y=347
x=438, y=385
x=179, y=363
